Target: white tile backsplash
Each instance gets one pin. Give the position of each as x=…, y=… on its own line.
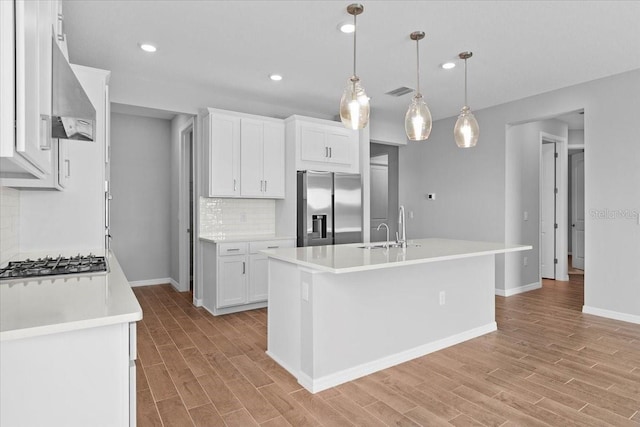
x=9, y=223
x=224, y=218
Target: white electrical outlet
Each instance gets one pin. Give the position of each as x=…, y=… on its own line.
x=442, y=296
x=526, y=216
x=525, y=261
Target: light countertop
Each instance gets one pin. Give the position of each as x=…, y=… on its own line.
x=35, y=307
x=352, y=257
x=253, y=238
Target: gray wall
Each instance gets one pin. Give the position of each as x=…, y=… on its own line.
x=470, y=183
x=140, y=185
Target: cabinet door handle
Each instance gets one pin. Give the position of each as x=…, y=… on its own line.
x=265, y=185
x=261, y=186
x=243, y=267
x=326, y=151
x=67, y=164
x=273, y=247
x=330, y=153
x=234, y=184
x=45, y=132
x=233, y=250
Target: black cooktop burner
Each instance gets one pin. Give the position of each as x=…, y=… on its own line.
x=53, y=266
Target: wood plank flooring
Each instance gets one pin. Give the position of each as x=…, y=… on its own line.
x=548, y=364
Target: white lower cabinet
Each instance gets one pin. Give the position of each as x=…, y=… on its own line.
x=78, y=378
x=232, y=287
x=258, y=277
x=236, y=275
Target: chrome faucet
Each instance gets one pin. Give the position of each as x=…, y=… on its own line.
x=401, y=240
x=387, y=227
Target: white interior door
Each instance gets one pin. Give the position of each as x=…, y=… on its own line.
x=548, y=211
x=577, y=210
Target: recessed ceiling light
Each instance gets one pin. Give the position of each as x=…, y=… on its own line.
x=275, y=77
x=147, y=47
x=347, y=27
x=448, y=65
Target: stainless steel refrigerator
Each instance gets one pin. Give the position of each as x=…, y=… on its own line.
x=329, y=208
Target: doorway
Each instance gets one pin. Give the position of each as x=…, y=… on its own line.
x=548, y=209
x=383, y=162
x=553, y=205
x=576, y=211
x=186, y=207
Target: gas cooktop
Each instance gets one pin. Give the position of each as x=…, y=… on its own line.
x=50, y=266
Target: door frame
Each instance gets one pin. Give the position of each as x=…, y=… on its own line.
x=574, y=208
x=183, y=205
x=561, y=214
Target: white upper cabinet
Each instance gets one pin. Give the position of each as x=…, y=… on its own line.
x=224, y=155
x=262, y=158
x=324, y=145
x=33, y=37
x=274, y=155
x=245, y=155
x=29, y=157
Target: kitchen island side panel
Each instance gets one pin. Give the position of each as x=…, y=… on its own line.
x=366, y=317
x=284, y=320
x=327, y=329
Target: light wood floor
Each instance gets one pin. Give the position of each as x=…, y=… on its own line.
x=548, y=364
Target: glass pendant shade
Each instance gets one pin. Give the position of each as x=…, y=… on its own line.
x=466, y=131
x=417, y=121
x=354, y=105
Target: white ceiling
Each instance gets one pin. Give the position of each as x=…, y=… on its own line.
x=226, y=49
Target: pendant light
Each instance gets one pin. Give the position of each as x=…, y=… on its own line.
x=417, y=121
x=354, y=104
x=466, y=131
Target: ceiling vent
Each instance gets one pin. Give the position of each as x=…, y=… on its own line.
x=403, y=90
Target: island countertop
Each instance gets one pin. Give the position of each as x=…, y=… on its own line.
x=353, y=257
x=41, y=306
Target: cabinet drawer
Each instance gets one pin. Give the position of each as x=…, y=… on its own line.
x=254, y=247
x=226, y=249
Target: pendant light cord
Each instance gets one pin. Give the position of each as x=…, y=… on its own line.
x=354, y=44
x=418, y=65
x=465, y=82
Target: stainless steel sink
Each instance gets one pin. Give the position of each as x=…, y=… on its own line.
x=383, y=246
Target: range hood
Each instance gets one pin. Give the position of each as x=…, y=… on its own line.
x=73, y=115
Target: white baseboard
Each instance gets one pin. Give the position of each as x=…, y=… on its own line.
x=616, y=315
x=150, y=282
x=197, y=302
x=175, y=285
x=340, y=377
x=518, y=290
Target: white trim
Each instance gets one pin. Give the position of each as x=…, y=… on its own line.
x=296, y=373
x=518, y=290
x=561, y=212
x=151, y=282
x=236, y=308
x=197, y=302
x=575, y=146
x=616, y=315
x=183, y=202
x=340, y=377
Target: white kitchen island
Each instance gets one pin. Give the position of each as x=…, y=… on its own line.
x=340, y=312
